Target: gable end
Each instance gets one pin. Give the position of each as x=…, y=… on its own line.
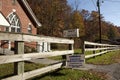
x=25, y=6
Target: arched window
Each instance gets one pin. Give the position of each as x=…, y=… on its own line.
x=29, y=28
x=15, y=23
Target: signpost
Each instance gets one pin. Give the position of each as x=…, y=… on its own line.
x=71, y=33
x=75, y=61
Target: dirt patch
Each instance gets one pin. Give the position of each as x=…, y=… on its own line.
x=117, y=60
x=102, y=75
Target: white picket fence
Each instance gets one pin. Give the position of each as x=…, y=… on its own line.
x=98, y=49
x=19, y=57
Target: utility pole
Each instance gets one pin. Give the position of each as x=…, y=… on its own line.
x=98, y=5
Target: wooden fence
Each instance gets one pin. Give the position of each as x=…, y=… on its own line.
x=19, y=57
x=98, y=49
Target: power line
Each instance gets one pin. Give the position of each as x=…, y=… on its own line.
x=94, y=5
x=100, y=36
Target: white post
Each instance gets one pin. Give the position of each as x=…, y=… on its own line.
x=40, y=47
x=48, y=46
x=45, y=47
x=9, y=45
x=9, y=42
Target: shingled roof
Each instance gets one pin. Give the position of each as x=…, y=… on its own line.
x=24, y=4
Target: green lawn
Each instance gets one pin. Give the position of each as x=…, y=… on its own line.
x=62, y=74
x=8, y=69
x=108, y=58
x=66, y=74
x=91, y=52
x=69, y=74
x=77, y=51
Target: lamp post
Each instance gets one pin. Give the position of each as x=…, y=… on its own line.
x=98, y=5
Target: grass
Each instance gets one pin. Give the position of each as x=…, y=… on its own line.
x=8, y=69
x=105, y=59
x=78, y=51
x=108, y=58
x=66, y=74
x=91, y=52
x=69, y=74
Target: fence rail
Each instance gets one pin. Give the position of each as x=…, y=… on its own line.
x=29, y=56
x=33, y=38
x=19, y=57
x=102, y=48
x=33, y=73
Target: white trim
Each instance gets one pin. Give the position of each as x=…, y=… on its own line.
x=14, y=10
x=29, y=29
x=14, y=21
x=3, y=20
x=31, y=12
x=29, y=24
x=12, y=18
x=9, y=14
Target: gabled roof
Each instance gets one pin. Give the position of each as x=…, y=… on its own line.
x=3, y=20
x=24, y=4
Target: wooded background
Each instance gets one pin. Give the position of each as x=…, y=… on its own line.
x=56, y=16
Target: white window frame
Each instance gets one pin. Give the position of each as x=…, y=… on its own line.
x=29, y=29
x=14, y=21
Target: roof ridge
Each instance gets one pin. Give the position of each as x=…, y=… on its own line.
x=30, y=11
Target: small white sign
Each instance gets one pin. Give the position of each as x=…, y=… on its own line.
x=75, y=61
x=71, y=33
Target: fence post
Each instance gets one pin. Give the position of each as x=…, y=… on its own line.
x=94, y=51
x=19, y=66
x=64, y=57
x=83, y=49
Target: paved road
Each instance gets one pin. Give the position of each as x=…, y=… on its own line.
x=113, y=70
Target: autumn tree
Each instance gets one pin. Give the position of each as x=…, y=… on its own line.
x=57, y=15
x=109, y=31
x=52, y=14
x=77, y=22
